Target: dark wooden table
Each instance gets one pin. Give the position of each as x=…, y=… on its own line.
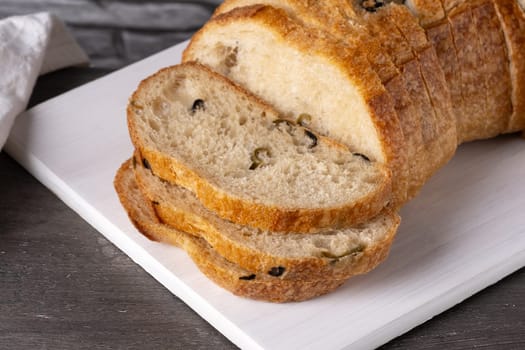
x=64, y=286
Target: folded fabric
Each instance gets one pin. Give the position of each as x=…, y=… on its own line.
x=29, y=46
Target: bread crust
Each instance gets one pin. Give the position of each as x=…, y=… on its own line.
x=440, y=36
x=439, y=128
x=494, y=67
x=428, y=12
x=512, y=19
x=223, y=272
x=205, y=224
x=471, y=122
x=426, y=84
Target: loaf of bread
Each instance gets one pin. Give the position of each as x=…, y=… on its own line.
x=278, y=154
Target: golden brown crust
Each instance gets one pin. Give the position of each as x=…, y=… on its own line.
x=442, y=125
x=428, y=12
x=440, y=36
x=404, y=39
x=223, y=272
x=512, y=20
x=471, y=118
x=494, y=65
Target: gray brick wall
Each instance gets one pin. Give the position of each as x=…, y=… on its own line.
x=116, y=33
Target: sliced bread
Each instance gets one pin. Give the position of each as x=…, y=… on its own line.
x=331, y=254
x=428, y=12
x=464, y=33
x=226, y=274
x=198, y=129
x=406, y=42
x=441, y=139
x=329, y=15
x=494, y=66
x=312, y=73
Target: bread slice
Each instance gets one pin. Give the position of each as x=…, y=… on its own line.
x=226, y=274
x=313, y=73
x=485, y=84
x=494, y=66
x=512, y=20
x=327, y=15
x=441, y=139
x=331, y=254
x=464, y=32
x=440, y=36
x=199, y=130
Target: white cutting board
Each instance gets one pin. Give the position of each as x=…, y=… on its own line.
x=464, y=232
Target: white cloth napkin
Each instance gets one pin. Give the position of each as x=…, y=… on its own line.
x=29, y=46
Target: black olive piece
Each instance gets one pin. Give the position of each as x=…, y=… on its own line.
x=198, y=104
x=146, y=164
x=362, y=156
x=155, y=203
x=289, y=125
x=248, y=278
x=312, y=137
x=276, y=271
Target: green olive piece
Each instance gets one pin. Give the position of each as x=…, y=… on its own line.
x=352, y=251
x=304, y=119
x=256, y=157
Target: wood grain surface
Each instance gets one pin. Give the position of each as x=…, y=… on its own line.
x=64, y=286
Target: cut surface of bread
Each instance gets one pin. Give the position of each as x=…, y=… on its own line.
x=197, y=129
x=313, y=73
x=226, y=274
x=331, y=254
